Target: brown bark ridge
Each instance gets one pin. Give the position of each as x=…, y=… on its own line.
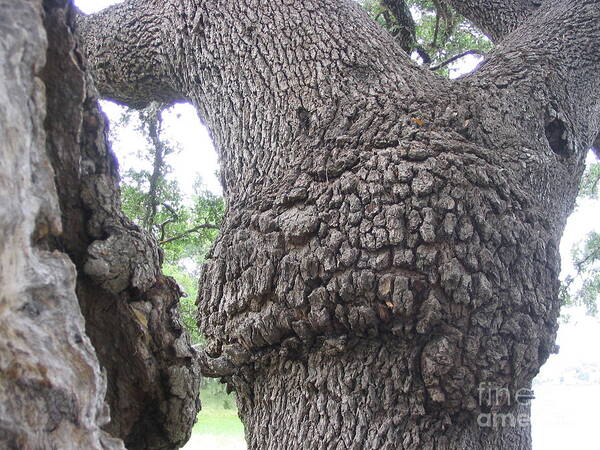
x=390, y=247
x=67, y=249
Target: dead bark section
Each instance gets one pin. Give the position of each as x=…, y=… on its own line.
x=391, y=242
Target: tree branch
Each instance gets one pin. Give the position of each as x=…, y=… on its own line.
x=455, y=57
x=174, y=218
x=171, y=210
x=495, y=18
x=154, y=122
x=205, y=226
x=554, y=54
x=423, y=55
x=404, y=21
x=124, y=46
x=592, y=255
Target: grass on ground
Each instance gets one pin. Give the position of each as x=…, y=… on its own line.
x=219, y=412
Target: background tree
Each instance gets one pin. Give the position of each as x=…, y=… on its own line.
x=583, y=288
x=185, y=228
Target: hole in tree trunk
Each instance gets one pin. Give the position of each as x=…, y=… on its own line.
x=304, y=118
x=557, y=137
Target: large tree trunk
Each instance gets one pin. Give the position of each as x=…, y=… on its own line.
x=66, y=248
x=389, y=256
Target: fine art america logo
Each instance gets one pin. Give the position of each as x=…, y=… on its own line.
x=496, y=397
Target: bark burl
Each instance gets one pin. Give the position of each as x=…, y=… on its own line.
x=391, y=241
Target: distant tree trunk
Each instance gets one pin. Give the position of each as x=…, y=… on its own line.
x=389, y=256
x=65, y=241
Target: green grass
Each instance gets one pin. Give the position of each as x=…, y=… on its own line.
x=219, y=413
x=219, y=422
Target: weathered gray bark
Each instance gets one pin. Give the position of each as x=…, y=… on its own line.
x=64, y=242
x=51, y=385
x=391, y=241
x=496, y=18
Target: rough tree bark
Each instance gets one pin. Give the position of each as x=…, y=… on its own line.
x=391, y=239
x=51, y=386
x=496, y=18
x=66, y=248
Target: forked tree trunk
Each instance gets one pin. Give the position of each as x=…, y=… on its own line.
x=389, y=256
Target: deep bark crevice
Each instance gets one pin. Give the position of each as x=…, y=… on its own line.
x=556, y=133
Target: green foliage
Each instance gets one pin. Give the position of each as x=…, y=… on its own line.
x=446, y=34
x=439, y=32
x=184, y=227
x=219, y=412
x=187, y=304
x=590, y=181
x=583, y=289
x=177, y=223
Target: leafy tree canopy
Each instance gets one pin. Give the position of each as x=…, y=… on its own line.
x=430, y=31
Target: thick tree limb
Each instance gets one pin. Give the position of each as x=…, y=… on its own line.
x=204, y=226
x=456, y=57
x=140, y=50
x=404, y=22
x=554, y=54
x=496, y=18
x=130, y=60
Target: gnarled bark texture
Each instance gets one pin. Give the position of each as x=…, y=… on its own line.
x=51, y=385
x=391, y=241
x=66, y=250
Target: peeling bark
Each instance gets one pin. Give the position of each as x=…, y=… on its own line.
x=391, y=241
